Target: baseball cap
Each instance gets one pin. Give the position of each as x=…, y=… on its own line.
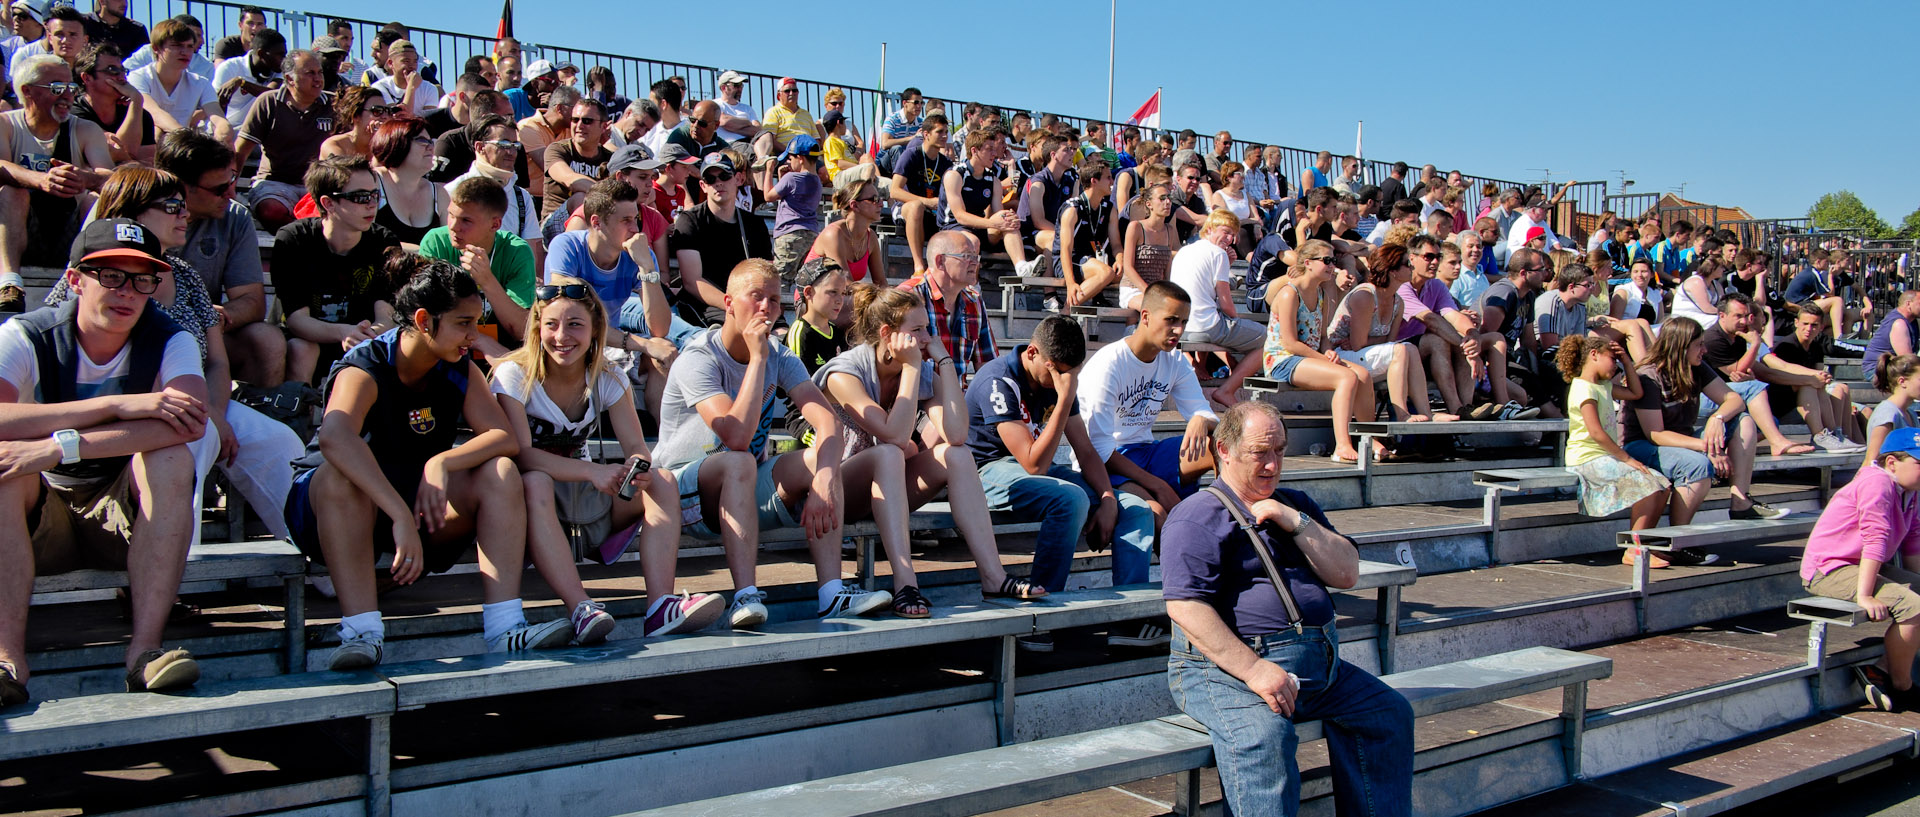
x=538, y=69
x=731, y=77
x=37, y=9
x=785, y=83
x=676, y=154
x=1537, y=201
x=1536, y=232
x=802, y=145
x=326, y=44
x=117, y=238
x=718, y=160
x=830, y=118
x=633, y=156
x=1901, y=441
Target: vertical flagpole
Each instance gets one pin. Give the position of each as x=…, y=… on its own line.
x=1159, y=93
x=1358, y=155
x=879, y=106
x=1113, y=17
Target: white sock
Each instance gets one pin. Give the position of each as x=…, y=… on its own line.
x=499, y=617
x=828, y=591
x=745, y=591
x=13, y=279
x=363, y=623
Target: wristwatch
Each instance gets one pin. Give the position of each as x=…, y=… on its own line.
x=69, y=442
x=650, y=277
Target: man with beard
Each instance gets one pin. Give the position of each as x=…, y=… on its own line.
x=50, y=165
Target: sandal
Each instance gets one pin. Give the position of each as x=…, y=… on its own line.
x=908, y=603
x=1012, y=588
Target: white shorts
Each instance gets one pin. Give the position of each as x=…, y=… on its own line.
x=1127, y=294
x=1377, y=358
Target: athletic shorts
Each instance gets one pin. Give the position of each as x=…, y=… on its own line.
x=1160, y=458
x=693, y=522
x=304, y=527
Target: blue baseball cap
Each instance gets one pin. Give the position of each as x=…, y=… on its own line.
x=1902, y=441
x=802, y=145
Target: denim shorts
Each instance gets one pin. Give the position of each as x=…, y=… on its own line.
x=773, y=512
x=1745, y=388
x=1284, y=367
x=1681, y=466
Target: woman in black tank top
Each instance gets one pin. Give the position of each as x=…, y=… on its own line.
x=406, y=394
x=410, y=205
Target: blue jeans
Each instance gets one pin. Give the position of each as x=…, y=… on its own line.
x=633, y=318
x=1061, y=500
x=1368, y=725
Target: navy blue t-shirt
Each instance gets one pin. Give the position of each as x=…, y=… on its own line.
x=1805, y=286
x=1001, y=392
x=924, y=175
x=1204, y=556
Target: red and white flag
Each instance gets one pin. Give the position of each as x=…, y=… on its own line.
x=1149, y=114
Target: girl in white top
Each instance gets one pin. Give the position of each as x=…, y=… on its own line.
x=1897, y=377
x=1698, y=297
x=880, y=387
x=1232, y=197
x=551, y=410
x=1633, y=310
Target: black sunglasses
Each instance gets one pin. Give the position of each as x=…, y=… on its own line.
x=172, y=207
x=716, y=176
x=145, y=283
x=362, y=197
x=572, y=292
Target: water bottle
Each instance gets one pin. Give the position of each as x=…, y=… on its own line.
x=1318, y=449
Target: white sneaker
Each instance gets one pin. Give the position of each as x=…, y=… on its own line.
x=1835, y=444
x=749, y=609
x=1514, y=411
x=851, y=602
x=591, y=623
x=359, y=652
x=1025, y=269
x=546, y=635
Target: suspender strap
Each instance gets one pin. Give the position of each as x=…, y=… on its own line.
x=1245, y=522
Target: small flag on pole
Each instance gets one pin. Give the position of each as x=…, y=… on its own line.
x=506, y=21
x=1149, y=114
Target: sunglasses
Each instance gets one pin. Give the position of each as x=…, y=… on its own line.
x=572, y=292
x=145, y=283
x=1324, y=259
x=362, y=197
x=111, y=70
x=383, y=110
x=172, y=207
x=61, y=88
x=866, y=198
x=223, y=189
x=503, y=144
x=716, y=177
x=1429, y=256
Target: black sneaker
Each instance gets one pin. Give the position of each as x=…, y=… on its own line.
x=1691, y=557
x=1878, y=688
x=12, y=692
x=1758, y=510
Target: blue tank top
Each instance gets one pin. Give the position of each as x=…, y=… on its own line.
x=1882, y=343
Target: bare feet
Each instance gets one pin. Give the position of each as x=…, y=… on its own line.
x=1224, y=398
x=1444, y=417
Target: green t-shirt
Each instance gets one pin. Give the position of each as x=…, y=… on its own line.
x=512, y=261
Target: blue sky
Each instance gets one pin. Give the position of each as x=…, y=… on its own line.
x=1765, y=104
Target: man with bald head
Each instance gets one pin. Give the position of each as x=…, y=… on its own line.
x=956, y=316
x=700, y=132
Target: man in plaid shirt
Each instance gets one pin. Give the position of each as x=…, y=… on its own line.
x=955, y=313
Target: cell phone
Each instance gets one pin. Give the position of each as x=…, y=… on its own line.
x=626, y=483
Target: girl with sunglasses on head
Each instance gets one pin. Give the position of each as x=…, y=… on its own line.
x=557, y=392
x=851, y=242
x=253, y=448
x=406, y=394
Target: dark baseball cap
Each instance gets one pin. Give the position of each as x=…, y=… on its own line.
x=117, y=238
x=634, y=155
x=718, y=160
x=677, y=154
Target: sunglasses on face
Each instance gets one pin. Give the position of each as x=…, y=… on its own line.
x=716, y=177
x=61, y=88
x=362, y=197
x=145, y=283
x=221, y=189
x=383, y=110
x=172, y=207
x=1429, y=256
x=503, y=144
x=572, y=292
x=111, y=70
x=1324, y=259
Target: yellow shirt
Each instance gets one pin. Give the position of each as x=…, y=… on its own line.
x=838, y=150
x=787, y=124
x=1580, y=444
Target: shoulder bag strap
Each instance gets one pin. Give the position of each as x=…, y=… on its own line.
x=1260, y=547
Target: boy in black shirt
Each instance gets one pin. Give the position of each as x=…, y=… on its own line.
x=819, y=295
x=330, y=268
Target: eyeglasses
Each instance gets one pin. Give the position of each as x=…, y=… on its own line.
x=60, y=88
x=172, y=207
x=716, y=177
x=968, y=258
x=383, y=110
x=111, y=70
x=503, y=144
x=572, y=292
x=423, y=140
x=1533, y=269
x=145, y=283
x=1429, y=256
x=223, y=189
x=361, y=197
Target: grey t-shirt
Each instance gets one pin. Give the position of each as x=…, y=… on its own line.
x=1888, y=414
x=704, y=370
x=1551, y=315
x=863, y=362
x=225, y=250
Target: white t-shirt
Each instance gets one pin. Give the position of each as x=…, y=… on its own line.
x=544, y=417
x=228, y=70
x=425, y=99
x=1197, y=267
x=1517, y=237
x=145, y=56
x=655, y=140
x=21, y=367
x=740, y=109
x=193, y=92
x=523, y=222
x=1121, y=396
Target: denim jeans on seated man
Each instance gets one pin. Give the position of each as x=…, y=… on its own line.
x=633, y=318
x=1061, y=501
x=1369, y=738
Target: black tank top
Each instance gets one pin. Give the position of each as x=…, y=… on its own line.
x=406, y=425
x=389, y=219
x=976, y=195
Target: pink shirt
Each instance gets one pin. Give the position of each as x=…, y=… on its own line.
x=1871, y=518
x=1433, y=297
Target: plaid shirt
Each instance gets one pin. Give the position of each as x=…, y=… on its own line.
x=964, y=330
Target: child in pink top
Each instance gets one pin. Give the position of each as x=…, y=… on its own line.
x=1875, y=517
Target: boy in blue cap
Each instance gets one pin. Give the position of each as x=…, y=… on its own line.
x=794, y=183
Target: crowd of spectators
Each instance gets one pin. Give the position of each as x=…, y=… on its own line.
x=482, y=275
